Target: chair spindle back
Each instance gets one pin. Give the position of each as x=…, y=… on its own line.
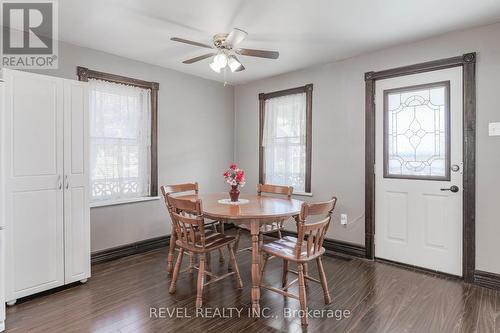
x=187, y=221
x=313, y=234
x=275, y=189
x=178, y=188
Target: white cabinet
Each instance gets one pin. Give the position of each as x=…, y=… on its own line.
x=2, y=231
x=2, y=279
x=45, y=171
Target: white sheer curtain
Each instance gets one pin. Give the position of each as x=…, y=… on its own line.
x=284, y=141
x=120, y=141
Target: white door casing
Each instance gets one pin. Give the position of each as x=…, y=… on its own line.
x=33, y=169
x=416, y=222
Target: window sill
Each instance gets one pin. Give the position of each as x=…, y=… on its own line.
x=304, y=194
x=122, y=202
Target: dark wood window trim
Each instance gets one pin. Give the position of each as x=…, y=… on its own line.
x=468, y=63
x=447, y=176
x=84, y=74
x=308, y=89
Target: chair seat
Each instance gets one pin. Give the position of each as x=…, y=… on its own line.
x=265, y=228
x=211, y=222
x=208, y=233
x=213, y=241
x=285, y=248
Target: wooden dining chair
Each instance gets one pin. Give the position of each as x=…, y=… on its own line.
x=189, y=226
x=183, y=188
x=274, y=226
x=306, y=247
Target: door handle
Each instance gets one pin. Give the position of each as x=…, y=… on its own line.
x=67, y=181
x=59, y=184
x=453, y=188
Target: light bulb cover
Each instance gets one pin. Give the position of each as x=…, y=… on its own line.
x=233, y=63
x=220, y=60
x=215, y=67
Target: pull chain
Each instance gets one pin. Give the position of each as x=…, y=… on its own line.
x=225, y=76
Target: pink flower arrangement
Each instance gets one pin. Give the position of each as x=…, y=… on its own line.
x=234, y=176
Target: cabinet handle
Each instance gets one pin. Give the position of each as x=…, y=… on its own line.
x=67, y=181
x=59, y=184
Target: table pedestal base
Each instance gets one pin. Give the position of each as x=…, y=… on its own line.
x=254, y=231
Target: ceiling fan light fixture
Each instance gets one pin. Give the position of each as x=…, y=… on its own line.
x=224, y=52
x=220, y=60
x=233, y=63
x=216, y=68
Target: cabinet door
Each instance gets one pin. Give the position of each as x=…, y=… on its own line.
x=2, y=225
x=33, y=170
x=2, y=279
x=76, y=182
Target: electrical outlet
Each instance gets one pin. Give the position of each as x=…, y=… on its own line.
x=343, y=219
x=494, y=129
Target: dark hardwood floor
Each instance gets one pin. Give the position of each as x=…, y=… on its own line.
x=380, y=297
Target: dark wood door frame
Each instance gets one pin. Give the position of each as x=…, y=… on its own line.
x=468, y=64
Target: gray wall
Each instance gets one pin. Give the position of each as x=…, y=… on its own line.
x=197, y=128
x=338, y=129
x=195, y=140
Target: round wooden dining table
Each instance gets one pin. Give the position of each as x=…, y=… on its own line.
x=259, y=210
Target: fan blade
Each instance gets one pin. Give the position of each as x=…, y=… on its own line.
x=190, y=61
x=235, y=37
x=181, y=40
x=258, y=53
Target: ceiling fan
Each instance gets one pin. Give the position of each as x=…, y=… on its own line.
x=225, y=51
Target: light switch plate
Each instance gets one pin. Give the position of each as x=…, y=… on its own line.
x=494, y=129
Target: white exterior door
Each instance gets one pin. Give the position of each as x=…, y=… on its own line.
x=33, y=171
x=76, y=182
x=418, y=170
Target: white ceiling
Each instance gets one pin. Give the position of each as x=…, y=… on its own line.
x=304, y=32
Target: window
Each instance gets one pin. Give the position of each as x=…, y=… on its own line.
x=122, y=137
x=417, y=133
x=285, y=138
